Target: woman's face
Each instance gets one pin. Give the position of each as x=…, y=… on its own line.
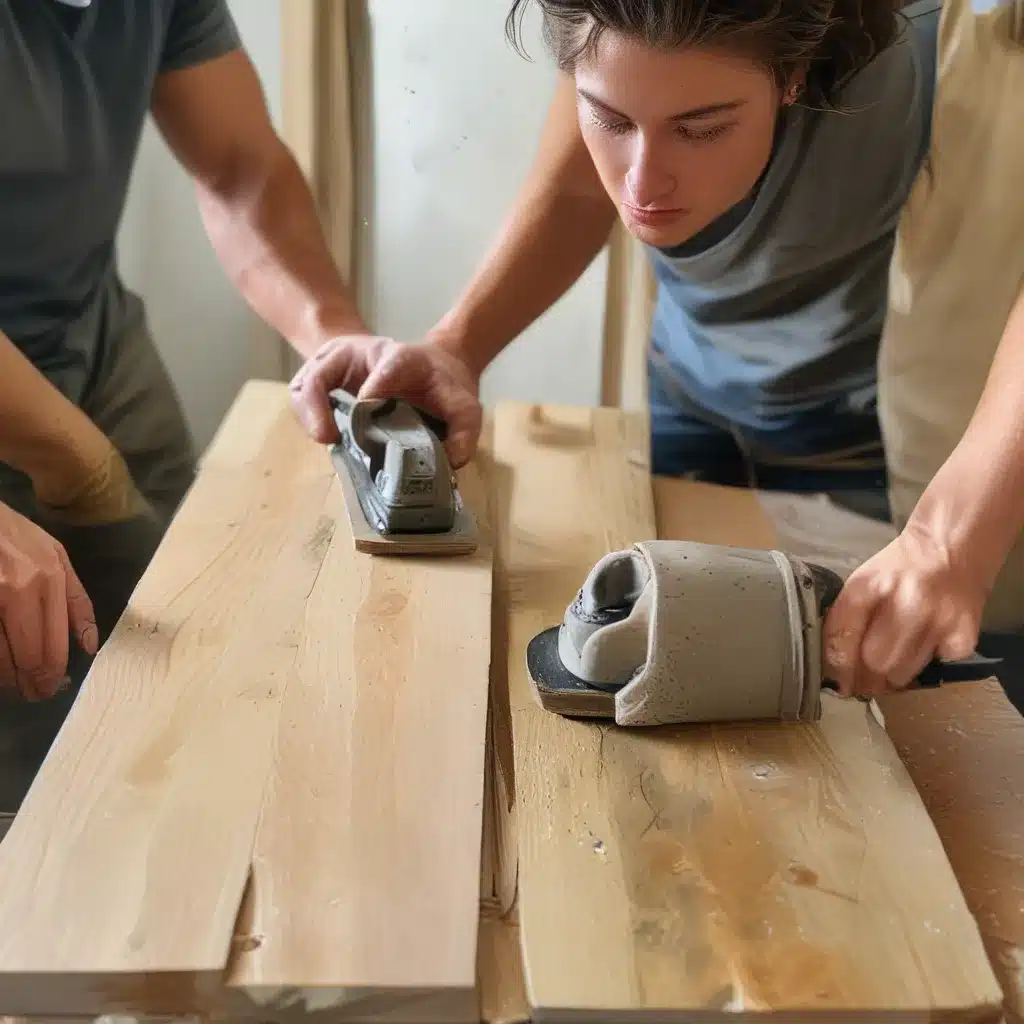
x=678, y=137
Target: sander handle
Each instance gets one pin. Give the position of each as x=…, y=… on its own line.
x=341, y=403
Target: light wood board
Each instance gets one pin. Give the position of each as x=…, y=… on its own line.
x=276, y=707
x=124, y=869
x=365, y=885
x=711, y=872
x=963, y=747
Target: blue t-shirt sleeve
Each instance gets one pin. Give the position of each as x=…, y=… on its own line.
x=198, y=31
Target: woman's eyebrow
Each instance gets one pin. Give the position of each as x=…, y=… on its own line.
x=695, y=114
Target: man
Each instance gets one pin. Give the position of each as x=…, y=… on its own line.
x=94, y=449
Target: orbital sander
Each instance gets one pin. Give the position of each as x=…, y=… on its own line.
x=681, y=632
x=400, y=492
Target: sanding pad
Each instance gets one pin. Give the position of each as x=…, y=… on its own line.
x=557, y=689
x=461, y=539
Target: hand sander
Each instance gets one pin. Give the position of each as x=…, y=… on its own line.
x=400, y=492
x=680, y=632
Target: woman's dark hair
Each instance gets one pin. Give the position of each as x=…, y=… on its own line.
x=833, y=39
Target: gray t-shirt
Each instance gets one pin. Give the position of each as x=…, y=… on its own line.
x=777, y=308
x=75, y=87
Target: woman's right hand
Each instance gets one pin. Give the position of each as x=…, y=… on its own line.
x=422, y=373
x=42, y=603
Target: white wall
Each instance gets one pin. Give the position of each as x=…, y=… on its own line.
x=457, y=116
x=200, y=323
x=455, y=119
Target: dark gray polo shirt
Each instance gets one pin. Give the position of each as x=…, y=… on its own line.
x=75, y=86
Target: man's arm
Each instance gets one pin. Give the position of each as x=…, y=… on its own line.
x=924, y=594
x=559, y=222
x=974, y=502
x=255, y=202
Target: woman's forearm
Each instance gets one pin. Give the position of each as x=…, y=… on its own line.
x=975, y=503
x=560, y=221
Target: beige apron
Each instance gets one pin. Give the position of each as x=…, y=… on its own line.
x=958, y=266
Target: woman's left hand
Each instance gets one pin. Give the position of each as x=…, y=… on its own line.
x=913, y=601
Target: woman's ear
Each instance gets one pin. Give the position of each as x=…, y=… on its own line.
x=795, y=85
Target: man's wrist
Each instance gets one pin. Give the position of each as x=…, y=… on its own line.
x=971, y=514
x=325, y=321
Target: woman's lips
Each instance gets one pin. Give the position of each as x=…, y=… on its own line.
x=655, y=217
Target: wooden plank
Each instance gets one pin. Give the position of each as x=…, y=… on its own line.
x=963, y=747
x=365, y=888
x=705, y=873
x=124, y=870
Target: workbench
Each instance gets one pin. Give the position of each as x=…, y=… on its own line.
x=962, y=746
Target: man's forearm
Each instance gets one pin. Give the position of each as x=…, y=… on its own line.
x=559, y=223
x=974, y=503
x=263, y=224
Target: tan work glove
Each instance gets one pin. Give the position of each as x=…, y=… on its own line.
x=42, y=604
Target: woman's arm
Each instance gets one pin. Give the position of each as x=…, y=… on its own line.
x=559, y=222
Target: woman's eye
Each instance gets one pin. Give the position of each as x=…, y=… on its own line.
x=704, y=134
x=615, y=127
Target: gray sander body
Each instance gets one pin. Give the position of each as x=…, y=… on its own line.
x=681, y=632
x=394, y=455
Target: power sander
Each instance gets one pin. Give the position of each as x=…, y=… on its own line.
x=680, y=632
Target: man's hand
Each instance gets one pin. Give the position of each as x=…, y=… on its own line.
x=423, y=373
x=42, y=601
x=911, y=602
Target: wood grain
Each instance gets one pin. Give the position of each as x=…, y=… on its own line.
x=963, y=747
x=124, y=870
x=277, y=716
x=704, y=873
x=365, y=886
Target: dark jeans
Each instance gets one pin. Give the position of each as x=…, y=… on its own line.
x=132, y=400
x=834, y=450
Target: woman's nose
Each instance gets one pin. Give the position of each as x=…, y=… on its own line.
x=649, y=180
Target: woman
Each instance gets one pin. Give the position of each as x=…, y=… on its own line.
x=762, y=152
